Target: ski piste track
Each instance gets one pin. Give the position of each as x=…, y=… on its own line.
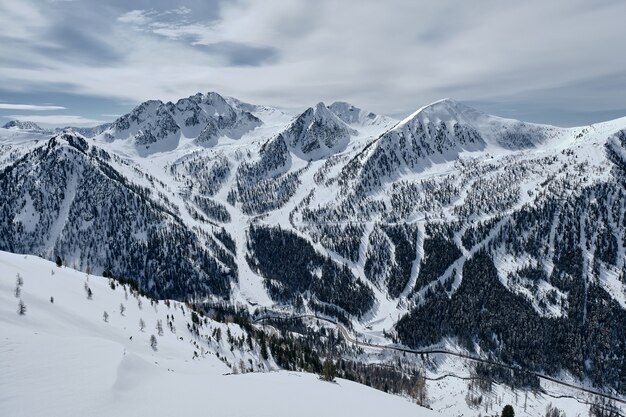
x=348, y=337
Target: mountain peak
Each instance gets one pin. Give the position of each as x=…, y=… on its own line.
x=214, y=95
x=22, y=125
x=322, y=112
x=210, y=98
x=321, y=106
x=347, y=112
x=155, y=126
x=357, y=117
x=317, y=133
x=443, y=110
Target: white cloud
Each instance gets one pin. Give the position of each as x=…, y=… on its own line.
x=32, y=107
x=171, y=24
x=137, y=18
x=56, y=119
x=20, y=19
x=390, y=57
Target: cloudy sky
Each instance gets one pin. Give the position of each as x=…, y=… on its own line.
x=81, y=62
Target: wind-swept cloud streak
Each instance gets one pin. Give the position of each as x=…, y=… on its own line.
x=31, y=107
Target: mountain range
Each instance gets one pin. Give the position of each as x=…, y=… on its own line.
x=448, y=228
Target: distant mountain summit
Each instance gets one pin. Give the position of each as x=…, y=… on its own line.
x=23, y=125
x=317, y=133
x=440, y=132
x=155, y=126
x=355, y=116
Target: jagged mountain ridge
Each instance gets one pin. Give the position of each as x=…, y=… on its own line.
x=154, y=126
x=23, y=125
x=317, y=134
x=404, y=211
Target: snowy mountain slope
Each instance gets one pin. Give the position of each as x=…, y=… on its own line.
x=316, y=134
x=496, y=131
x=64, y=354
x=438, y=133
x=475, y=187
x=66, y=198
x=403, y=211
x=357, y=117
x=150, y=127
x=267, y=114
x=14, y=143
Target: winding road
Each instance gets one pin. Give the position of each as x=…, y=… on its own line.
x=348, y=337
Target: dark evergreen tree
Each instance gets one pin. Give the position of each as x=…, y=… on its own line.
x=264, y=351
x=508, y=411
x=21, y=308
x=328, y=370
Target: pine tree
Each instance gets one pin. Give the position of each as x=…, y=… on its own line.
x=328, y=370
x=264, y=353
x=153, y=342
x=21, y=308
x=507, y=411
x=194, y=318
x=159, y=327
x=105, y=317
x=122, y=309
x=59, y=262
x=142, y=324
x=19, y=283
x=420, y=392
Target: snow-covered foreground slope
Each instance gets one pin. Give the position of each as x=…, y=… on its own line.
x=62, y=359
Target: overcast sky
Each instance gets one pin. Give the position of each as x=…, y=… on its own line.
x=81, y=62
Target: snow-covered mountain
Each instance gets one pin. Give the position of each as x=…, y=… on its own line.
x=23, y=125
x=451, y=225
x=357, y=117
x=154, y=126
x=317, y=134
x=88, y=132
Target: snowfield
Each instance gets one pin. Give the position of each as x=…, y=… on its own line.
x=63, y=359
